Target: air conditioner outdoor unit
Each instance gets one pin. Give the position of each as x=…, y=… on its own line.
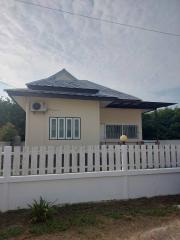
x=38, y=107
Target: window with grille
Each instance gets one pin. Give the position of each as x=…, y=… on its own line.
x=114, y=131
x=130, y=131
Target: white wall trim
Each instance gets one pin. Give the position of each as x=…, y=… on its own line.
x=67, y=176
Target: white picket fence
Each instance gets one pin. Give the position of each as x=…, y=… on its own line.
x=72, y=159
x=72, y=174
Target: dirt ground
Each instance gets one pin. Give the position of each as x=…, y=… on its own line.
x=141, y=219
x=138, y=230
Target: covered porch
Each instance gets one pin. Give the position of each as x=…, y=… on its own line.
x=124, y=117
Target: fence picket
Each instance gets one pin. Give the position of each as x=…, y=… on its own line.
x=162, y=157
x=131, y=157
x=137, y=157
x=124, y=155
x=7, y=162
x=156, y=156
x=90, y=158
x=143, y=156
x=82, y=158
x=42, y=160
x=111, y=157
x=97, y=157
x=59, y=152
x=167, y=154
x=118, y=157
x=34, y=155
x=50, y=159
x=66, y=152
x=173, y=156
x=25, y=161
x=16, y=161
x=149, y=156
x=74, y=159
x=104, y=157
x=178, y=155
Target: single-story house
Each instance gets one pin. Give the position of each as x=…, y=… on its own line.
x=62, y=109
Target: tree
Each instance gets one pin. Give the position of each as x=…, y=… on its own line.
x=10, y=112
x=8, y=132
x=162, y=124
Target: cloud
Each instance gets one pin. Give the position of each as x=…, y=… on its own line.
x=36, y=43
x=172, y=94
x=2, y=87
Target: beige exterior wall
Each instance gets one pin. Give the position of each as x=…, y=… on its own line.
x=37, y=123
x=121, y=116
x=93, y=118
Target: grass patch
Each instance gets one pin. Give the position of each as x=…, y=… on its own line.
x=83, y=220
x=57, y=225
x=128, y=213
x=81, y=216
x=10, y=232
x=49, y=227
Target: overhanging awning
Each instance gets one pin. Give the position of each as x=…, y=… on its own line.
x=138, y=104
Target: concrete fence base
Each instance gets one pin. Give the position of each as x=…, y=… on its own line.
x=19, y=191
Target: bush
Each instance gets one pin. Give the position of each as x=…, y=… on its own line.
x=41, y=211
x=8, y=132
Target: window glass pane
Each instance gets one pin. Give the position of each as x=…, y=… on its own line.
x=53, y=128
x=130, y=131
x=61, y=128
x=76, y=128
x=113, y=131
x=69, y=128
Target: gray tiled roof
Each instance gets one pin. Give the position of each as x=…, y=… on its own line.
x=64, y=85
x=64, y=79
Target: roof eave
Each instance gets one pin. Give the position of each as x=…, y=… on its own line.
x=144, y=105
x=50, y=88
x=12, y=93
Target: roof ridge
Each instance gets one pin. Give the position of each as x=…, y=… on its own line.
x=66, y=72
x=54, y=77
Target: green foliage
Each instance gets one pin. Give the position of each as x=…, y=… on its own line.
x=10, y=112
x=41, y=211
x=8, y=132
x=163, y=124
x=10, y=232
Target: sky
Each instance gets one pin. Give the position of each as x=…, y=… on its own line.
x=36, y=43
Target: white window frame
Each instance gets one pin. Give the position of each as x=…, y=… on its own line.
x=71, y=128
x=64, y=130
x=50, y=128
x=79, y=124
